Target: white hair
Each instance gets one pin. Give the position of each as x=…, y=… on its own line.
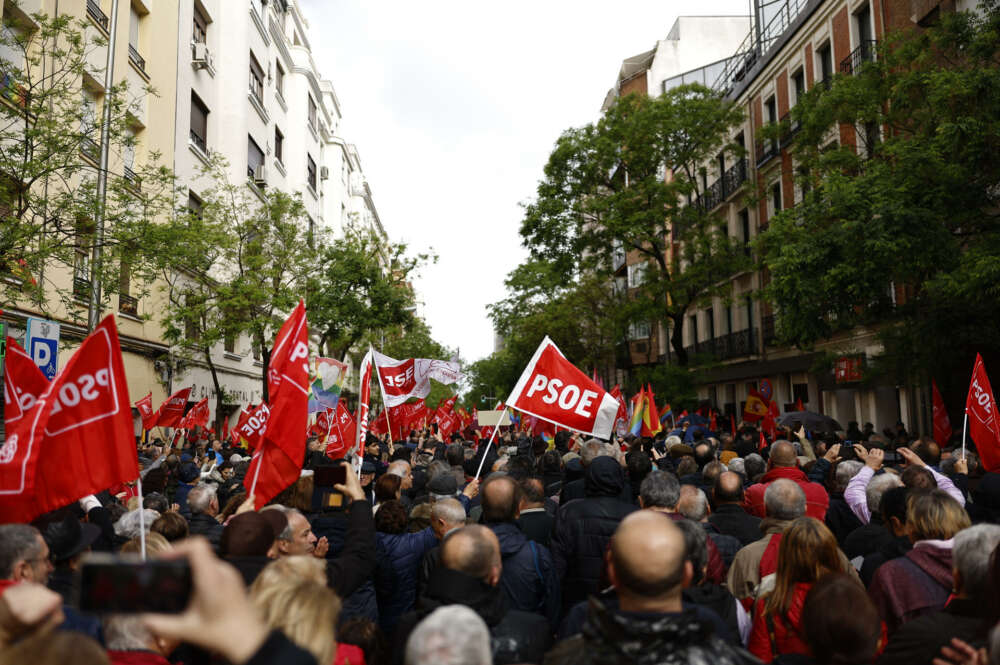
x=450, y=635
x=878, y=486
x=845, y=471
x=126, y=632
x=286, y=533
x=397, y=468
x=450, y=510
x=738, y=465
x=127, y=525
x=200, y=497
x=673, y=440
x=971, y=556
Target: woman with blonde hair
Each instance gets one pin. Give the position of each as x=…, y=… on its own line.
x=285, y=569
x=306, y=612
x=807, y=552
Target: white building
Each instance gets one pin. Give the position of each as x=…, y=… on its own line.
x=249, y=88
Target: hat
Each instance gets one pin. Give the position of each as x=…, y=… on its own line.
x=189, y=473
x=185, y=457
x=367, y=467
x=69, y=537
x=248, y=534
x=236, y=459
x=443, y=484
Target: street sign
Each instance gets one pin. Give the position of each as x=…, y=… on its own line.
x=42, y=339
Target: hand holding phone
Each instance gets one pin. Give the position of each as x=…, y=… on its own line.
x=126, y=585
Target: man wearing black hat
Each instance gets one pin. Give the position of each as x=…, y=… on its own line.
x=68, y=540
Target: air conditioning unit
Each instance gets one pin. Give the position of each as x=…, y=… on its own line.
x=201, y=57
x=324, y=173
x=260, y=175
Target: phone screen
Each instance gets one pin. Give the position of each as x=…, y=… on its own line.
x=120, y=584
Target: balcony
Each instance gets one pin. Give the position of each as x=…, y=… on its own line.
x=81, y=288
x=726, y=347
x=720, y=190
x=132, y=178
x=136, y=59
x=90, y=149
x=128, y=305
x=791, y=128
x=858, y=57
x=95, y=12
x=198, y=141
x=766, y=151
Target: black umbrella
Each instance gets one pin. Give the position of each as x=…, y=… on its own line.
x=811, y=420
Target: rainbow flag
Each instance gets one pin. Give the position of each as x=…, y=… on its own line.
x=324, y=391
x=638, y=409
x=667, y=412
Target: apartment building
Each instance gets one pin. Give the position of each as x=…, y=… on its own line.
x=695, y=50
x=144, y=57
x=249, y=88
x=793, y=46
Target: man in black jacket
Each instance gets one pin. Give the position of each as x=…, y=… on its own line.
x=729, y=517
x=584, y=527
x=529, y=577
x=648, y=569
x=469, y=574
x=204, y=506
x=534, y=519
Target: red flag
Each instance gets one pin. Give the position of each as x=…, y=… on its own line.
x=713, y=425
x=197, y=416
x=982, y=412
x=250, y=425
x=621, y=418
x=364, y=398
x=145, y=408
x=732, y=424
x=172, y=411
x=799, y=406
x=380, y=425
x=341, y=437
x=552, y=389
x=283, y=445
x=763, y=442
x=942, y=425
x=23, y=383
x=225, y=428
x=81, y=425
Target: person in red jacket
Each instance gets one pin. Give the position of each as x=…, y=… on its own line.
x=783, y=464
x=808, y=551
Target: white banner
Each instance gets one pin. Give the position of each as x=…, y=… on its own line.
x=404, y=379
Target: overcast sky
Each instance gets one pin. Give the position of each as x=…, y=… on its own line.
x=455, y=106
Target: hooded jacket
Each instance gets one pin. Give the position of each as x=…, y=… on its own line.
x=398, y=557
x=914, y=584
x=583, y=528
x=515, y=636
x=613, y=637
x=787, y=628
x=817, y=500
x=528, y=576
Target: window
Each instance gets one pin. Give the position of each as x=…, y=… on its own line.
x=871, y=137
x=134, y=52
x=771, y=117
x=311, y=172
x=636, y=274
x=312, y=112
x=81, y=258
x=863, y=25
x=798, y=86
x=194, y=204
x=256, y=80
x=824, y=55
x=199, y=123
x=255, y=157
x=199, y=27
x=279, y=141
x=729, y=318
x=710, y=321
x=279, y=78
x=745, y=229
x=774, y=200
x=312, y=233
x=694, y=328
x=229, y=342
x=637, y=331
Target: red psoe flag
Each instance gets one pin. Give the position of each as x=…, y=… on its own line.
x=146, y=413
x=341, y=436
x=81, y=426
x=552, y=389
x=278, y=462
x=23, y=383
x=364, y=397
x=942, y=425
x=197, y=416
x=172, y=411
x=982, y=411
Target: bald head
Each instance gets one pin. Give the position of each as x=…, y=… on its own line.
x=728, y=488
x=501, y=499
x=782, y=454
x=647, y=557
x=473, y=550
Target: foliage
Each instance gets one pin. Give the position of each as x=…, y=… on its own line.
x=49, y=161
x=361, y=283
x=902, y=233
x=605, y=193
x=237, y=265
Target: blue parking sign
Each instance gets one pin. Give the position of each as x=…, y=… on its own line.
x=43, y=345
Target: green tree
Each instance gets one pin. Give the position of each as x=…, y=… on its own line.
x=50, y=130
x=605, y=192
x=361, y=285
x=902, y=234
x=237, y=265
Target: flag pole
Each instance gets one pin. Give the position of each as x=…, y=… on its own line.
x=256, y=473
x=965, y=424
x=142, y=519
x=488, y=444
x=385, y=402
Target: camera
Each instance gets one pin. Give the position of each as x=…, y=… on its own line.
x=126, y=584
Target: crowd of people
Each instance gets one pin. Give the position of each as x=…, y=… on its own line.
x=827, y=549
